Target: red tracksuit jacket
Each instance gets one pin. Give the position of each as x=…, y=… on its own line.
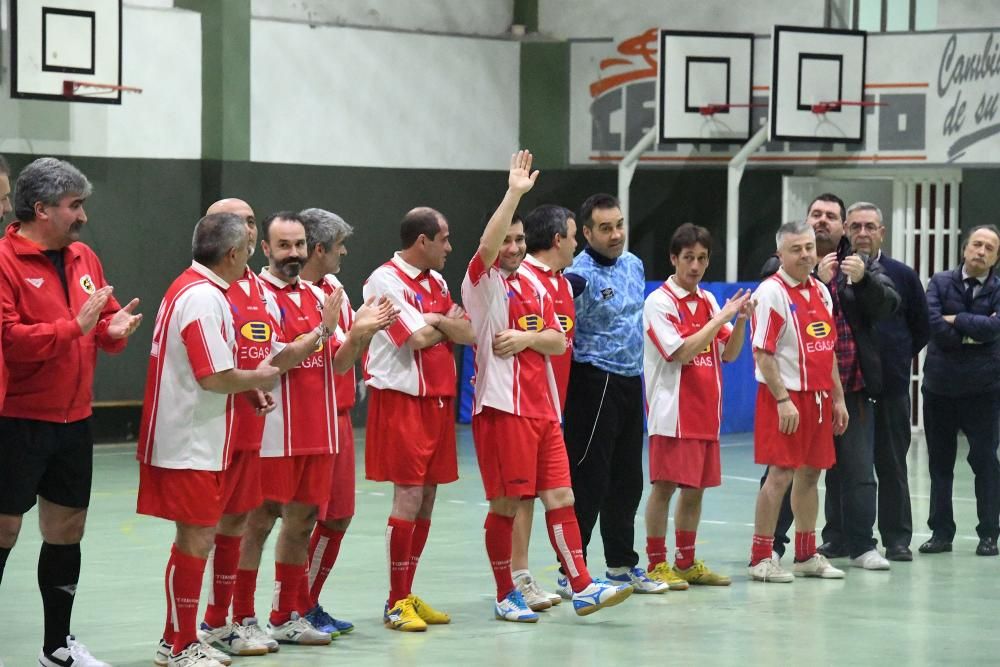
x=50, y=362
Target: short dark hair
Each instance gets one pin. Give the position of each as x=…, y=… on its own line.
x=421, y=220
x=687, y=236
x=830, y=197
x=543, y=223
x=291, y=216
x=215, y=235
x=600, y=200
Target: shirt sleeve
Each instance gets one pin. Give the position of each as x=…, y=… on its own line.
x=661, y=323
x=410, y=319
x=202, y=323
x=768, y=317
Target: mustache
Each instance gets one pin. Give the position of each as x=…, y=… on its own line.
x=290, y=267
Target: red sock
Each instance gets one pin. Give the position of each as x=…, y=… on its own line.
x=168, y=628
x=184, y=576
x=225, y=560
x=398, y=538
x=303, y=605
x=324, y=547
x=421, y=527
x=684, y=554
x=499, y=546
x=762, y=547
x=246, y=588
x=287, y=583
x=805, y=546
x=564, y=534
x=656, y=550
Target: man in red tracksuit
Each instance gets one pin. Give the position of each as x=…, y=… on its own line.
x=57, y=310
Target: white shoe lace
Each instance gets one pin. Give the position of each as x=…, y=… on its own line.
x=254, y=633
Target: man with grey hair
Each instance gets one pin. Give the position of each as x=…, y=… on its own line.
x=800, y=403
x=901, y=336
x=58, y=310
x=326, y=237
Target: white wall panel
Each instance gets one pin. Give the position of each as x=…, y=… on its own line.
x=161, y=53
x=345, y=96
x=967, y=13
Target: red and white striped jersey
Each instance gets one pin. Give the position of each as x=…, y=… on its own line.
x=524, y=384
x=390, y=363
x=682, y=400
x=562, y=301
x=184, y=426
x=794, y=322
x=344, y=384
x=305, y=421
x=255, y=318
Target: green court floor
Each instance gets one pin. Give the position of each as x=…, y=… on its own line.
x=936, y=610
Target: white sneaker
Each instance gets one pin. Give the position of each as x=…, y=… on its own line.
x=637, y=577
x=73, y=654
x=162, y=653
x=216, y=654
x=870, y=560
x=231, y=639
x=817, y=566
x=514, y=608
x=563, y=588
x=194, y=655
x=769, y=571
x=255, y=634
x=297, y=630
x=534, y=597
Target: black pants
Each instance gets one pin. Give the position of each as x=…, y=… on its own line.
x=604, y=416
x=976, y=416
x=892, y=443
x=850, y=484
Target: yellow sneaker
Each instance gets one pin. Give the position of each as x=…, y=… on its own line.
x=663, y=572
x=429, y=614
x=699, y=575
x=403, y=617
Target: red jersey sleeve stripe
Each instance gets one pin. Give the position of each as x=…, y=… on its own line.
x=657, y=343
x=775, y=322
x=477, y=268
x=398, y=333
x=197, y=350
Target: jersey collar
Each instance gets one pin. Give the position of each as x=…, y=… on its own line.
x=211, y=275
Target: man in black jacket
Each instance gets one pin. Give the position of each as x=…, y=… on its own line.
x=900, y=337
x=862, y=295
x=962, y=388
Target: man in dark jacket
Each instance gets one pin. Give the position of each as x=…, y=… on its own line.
x=900, y=337
x=862, y=295
x=962, y=388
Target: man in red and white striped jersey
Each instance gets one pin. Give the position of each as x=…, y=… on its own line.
x=326, y=238
x=186, y=435
x=800, y=403
x=410, y=370
x=519, y=443
x=550, y=240
x=687, y=337
x=300, y=437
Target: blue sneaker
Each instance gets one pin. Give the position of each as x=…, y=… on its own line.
x=598, y=595
x=325, y=623
x=563, y=588
x=637, y=577
x=514, y=608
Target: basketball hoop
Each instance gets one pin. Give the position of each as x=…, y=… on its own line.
x=824, y=107
x=71, y=88
x=712, y=109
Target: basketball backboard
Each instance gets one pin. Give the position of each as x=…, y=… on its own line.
x=55, y=42
x=817, y=85
x=704, y=87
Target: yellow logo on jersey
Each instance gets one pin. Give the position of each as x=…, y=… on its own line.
x=87, y=283
x=258, y=332
x=319, y=342
x=566, y=322
x=819, y=329
x=530, y=322
x=708, y=348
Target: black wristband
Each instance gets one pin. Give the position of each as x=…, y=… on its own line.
x=786, y=399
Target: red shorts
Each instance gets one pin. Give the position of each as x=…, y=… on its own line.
x=810, y=445
x=341, y=503
x=301, y=479
x=241, y=482
x=687, y=462
x=519, y=456
x=410, y=440
x=187, y=496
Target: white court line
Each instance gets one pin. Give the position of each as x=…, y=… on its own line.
x=457, y=502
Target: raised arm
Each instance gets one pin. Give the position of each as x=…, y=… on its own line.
x=520, y=181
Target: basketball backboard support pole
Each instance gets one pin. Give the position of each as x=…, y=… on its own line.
x=733, y=178
x=626, y=170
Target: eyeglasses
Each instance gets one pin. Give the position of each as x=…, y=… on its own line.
x=856, y=227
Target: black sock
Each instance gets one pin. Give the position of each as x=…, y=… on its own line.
x=58, y=574
x=4, y=552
